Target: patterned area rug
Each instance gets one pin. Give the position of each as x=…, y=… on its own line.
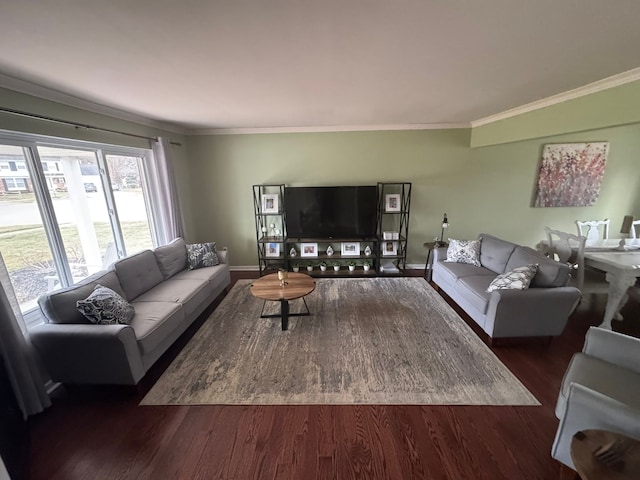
x=367, y=341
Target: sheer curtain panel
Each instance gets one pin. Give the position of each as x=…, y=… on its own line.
x=19, y=356
x=164, y=194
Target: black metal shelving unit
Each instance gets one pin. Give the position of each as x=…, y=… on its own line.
x=271, y=227
x=394, y=204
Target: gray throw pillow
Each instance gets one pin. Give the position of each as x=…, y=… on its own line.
x=464, y=251
x=201, y=255
x=105, y=307
x=517, y=279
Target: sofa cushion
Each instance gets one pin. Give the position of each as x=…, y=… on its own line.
x=105, y=307
x=451, y=271
x=517, y=279
x=217, y=276
x=138, y=273
x=464, y=251
x=201, y=255
x=60, y=306
x=495, y=253
x=189, y=293
x=154, y=322
x=171, y=258
x=474, y=289
x=550, y=273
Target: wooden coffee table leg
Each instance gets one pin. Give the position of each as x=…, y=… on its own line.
x=284, y=313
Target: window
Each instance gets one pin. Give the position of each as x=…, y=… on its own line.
x=59, y=231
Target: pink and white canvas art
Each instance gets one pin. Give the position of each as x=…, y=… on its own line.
x=571, y=174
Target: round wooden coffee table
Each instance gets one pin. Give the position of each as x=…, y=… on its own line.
x=600, y=455
x=298, y=285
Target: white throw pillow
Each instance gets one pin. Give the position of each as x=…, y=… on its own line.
x=517, y=279
x=464, y=251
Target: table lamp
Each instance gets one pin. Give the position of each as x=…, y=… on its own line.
x=445, y=224
x=625, y=230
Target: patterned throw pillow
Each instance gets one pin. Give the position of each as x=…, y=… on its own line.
x=464, y=251
x=202, y=255
x=105, y=307
x=517, y=279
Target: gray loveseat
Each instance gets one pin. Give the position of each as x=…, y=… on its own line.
x=541, y=310
x=167, y=298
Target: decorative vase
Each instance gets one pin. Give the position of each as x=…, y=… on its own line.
x=292, y=252
x=367, y=250
x=329, y=251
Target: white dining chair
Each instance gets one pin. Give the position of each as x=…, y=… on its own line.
x=593, y=230
x=568, y=248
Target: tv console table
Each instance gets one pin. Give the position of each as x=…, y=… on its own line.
x=386, y=253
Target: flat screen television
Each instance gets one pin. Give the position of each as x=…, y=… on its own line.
x=331, y=212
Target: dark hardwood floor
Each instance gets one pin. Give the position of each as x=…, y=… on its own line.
x=102, y=433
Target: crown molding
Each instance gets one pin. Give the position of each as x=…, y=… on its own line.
x=598, y=86
x=22, y=86
x=328, y=128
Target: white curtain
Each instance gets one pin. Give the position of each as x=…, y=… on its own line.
x=164, y=194
x=19, y=357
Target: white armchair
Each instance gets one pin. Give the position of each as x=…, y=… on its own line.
x=600, y=390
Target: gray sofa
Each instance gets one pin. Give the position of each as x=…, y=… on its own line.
x=167, y=298
x=541, y=310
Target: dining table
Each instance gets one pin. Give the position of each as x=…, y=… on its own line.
x=621, y=266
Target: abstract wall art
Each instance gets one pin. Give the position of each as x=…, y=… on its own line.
x=570, y=174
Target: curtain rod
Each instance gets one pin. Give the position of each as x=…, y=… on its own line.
x=79, y=125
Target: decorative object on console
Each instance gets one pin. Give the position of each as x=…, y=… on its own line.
x=366, y=265
x=392, y=202
x=570, y=174
x=390, y=248
x=292, y=252
x=350, y=249
x=308, y=249
x=445, y=225
x=352, y=266
x=295, y=267
x=367, y=250
x=517, y=279
x=270, y=203
x=336, y=266
x=323, y=266
x=464, y=251
x=625, y=231
x=272, y=250
x=329, y=250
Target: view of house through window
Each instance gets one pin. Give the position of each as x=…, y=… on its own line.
x=80, y=185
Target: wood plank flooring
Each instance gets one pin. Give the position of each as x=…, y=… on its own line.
x=102, y=433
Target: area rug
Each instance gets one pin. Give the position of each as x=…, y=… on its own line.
x=367, y=341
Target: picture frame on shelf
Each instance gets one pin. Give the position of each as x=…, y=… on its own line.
x=272, y=249
x=308, y=249
x=350, y=249
x=392, y=202
x=270, y=203
x=390, y=249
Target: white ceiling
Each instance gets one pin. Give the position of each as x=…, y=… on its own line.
x=225, y=64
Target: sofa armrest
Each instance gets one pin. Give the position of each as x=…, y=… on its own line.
x=588, y=409
x=439, y=254
x=613, y=347
x=223, y=255
x=95, y=354
x=534, y=312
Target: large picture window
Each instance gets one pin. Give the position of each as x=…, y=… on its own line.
x=67, y=210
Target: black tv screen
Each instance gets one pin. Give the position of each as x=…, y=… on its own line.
x=331, y=212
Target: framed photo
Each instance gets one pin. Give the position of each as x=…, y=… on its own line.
x=350, y=249
x=272, y=249
x=390, y=248
x=308, y=249
x=270, y=203
x=392, y=202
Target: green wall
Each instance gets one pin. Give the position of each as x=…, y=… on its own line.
x=488, y=189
